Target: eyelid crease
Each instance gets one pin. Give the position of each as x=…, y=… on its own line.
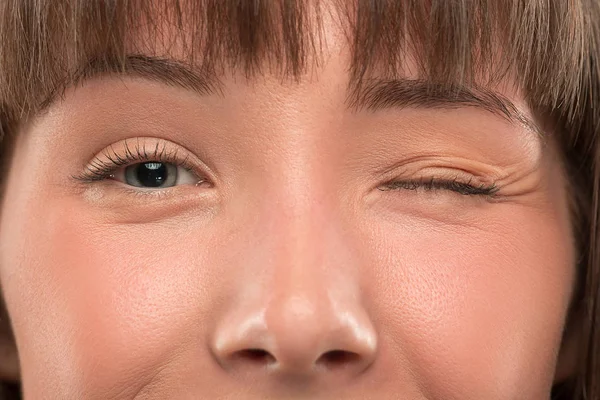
x=460, y=165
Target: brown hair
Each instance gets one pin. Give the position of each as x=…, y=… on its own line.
x=550, y=46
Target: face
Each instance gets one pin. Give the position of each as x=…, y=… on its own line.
x=267, y=241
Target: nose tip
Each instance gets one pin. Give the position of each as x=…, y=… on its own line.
x=299, y=341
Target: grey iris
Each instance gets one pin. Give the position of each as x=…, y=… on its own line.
x=151, y=175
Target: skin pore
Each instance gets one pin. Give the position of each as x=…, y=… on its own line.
x=308, y=249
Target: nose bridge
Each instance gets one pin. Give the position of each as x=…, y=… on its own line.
x=304, y=235
x=307, y=258
x=310, y=286
x=302, y=227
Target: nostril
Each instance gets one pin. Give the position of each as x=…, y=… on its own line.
x=338, y=358
x=255, y=356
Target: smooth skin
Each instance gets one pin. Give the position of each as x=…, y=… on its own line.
x=281, y=266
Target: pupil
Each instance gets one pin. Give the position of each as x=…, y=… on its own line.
x=152, y=174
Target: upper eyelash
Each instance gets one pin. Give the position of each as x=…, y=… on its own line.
x=99, y=169
x=453, y=185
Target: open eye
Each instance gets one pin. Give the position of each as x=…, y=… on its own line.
x=145, y=163
x=155, y=175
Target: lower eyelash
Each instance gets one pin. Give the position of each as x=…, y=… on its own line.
x=463, y=188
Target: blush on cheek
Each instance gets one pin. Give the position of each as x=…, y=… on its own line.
x=478, y=310
x=106, y=305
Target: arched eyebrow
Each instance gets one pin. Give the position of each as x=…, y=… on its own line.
x=371, y=95
x=167, y=71
x=380, y=94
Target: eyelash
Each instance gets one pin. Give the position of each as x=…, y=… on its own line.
x=99, y=170
x=452, y=185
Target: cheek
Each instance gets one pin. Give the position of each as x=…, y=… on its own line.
x=114, y=303
x=477, y=309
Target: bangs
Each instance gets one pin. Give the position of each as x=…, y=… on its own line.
x=45, y=46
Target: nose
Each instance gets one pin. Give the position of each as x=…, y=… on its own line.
x=302, y=316
x=297, y=336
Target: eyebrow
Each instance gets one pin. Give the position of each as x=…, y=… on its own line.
x=402, y=93
x=372, y=95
